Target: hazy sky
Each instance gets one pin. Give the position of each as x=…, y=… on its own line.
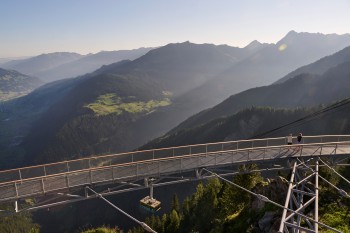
x=32, y=27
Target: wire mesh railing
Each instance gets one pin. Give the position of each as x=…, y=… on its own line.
x=120, y=158
x=162, y=166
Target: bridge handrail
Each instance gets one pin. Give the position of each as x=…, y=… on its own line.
x=44, y=170
x=157, y=149
x=166, y=148
x=168, y=159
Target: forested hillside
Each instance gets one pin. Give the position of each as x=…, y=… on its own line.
x=219, y=206
x=14, y=84
x=259, y=121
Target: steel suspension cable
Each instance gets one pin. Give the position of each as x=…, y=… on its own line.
x=340, y=191
x=309, y=116
x=143, y=225
x=335, y=171
x=265, y=199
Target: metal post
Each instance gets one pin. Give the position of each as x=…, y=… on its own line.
x=316, y=193
x=20, y=174
x=112, y=173
x=43, y=185
x=90, y=173
x=16, y=189
x=45, y=171
x=151, y=191
x=86, y=192
x=16, y=206
x=300, y=202
x=180, y=167
x=288, y=198
x=67, y=181
x=137, y=170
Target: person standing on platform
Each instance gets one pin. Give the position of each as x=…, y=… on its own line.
x=290, y=139
x=299, y=138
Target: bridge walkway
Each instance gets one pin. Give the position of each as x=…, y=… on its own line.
x=27, y=182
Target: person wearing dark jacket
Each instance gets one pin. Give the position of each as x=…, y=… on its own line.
x=299, y=138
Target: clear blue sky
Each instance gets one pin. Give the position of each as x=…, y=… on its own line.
x=32, y=27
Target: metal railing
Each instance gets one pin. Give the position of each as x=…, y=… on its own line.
x=155, y=167
x=127, y=171
x=120, y=158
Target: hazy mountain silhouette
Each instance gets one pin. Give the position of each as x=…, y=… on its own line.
x=267, y=65
x=183, y=66
x=254, y=111
x=55, y=66
x=14, y=84
x=68, y=127
x=320, y=66
x=303, y=90
x=89, y=63
x=34, y=65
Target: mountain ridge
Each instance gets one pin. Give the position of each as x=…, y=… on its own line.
x=60, y=65
x=14, y=84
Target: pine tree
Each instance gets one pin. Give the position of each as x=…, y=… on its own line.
x=175, y=205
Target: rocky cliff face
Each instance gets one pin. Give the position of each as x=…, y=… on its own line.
x=276, y=190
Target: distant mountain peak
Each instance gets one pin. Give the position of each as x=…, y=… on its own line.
x=310, y=37
x=252, y=45
x=292, y=33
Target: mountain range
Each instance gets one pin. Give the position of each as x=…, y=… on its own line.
x=14, y=84
x=60, y=65
x=267, y=65
x=118, y=102
x=121, y=106
x=320, y=82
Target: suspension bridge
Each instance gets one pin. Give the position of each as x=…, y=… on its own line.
x=125, y=171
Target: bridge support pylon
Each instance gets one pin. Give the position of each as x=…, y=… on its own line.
x=302, y=192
